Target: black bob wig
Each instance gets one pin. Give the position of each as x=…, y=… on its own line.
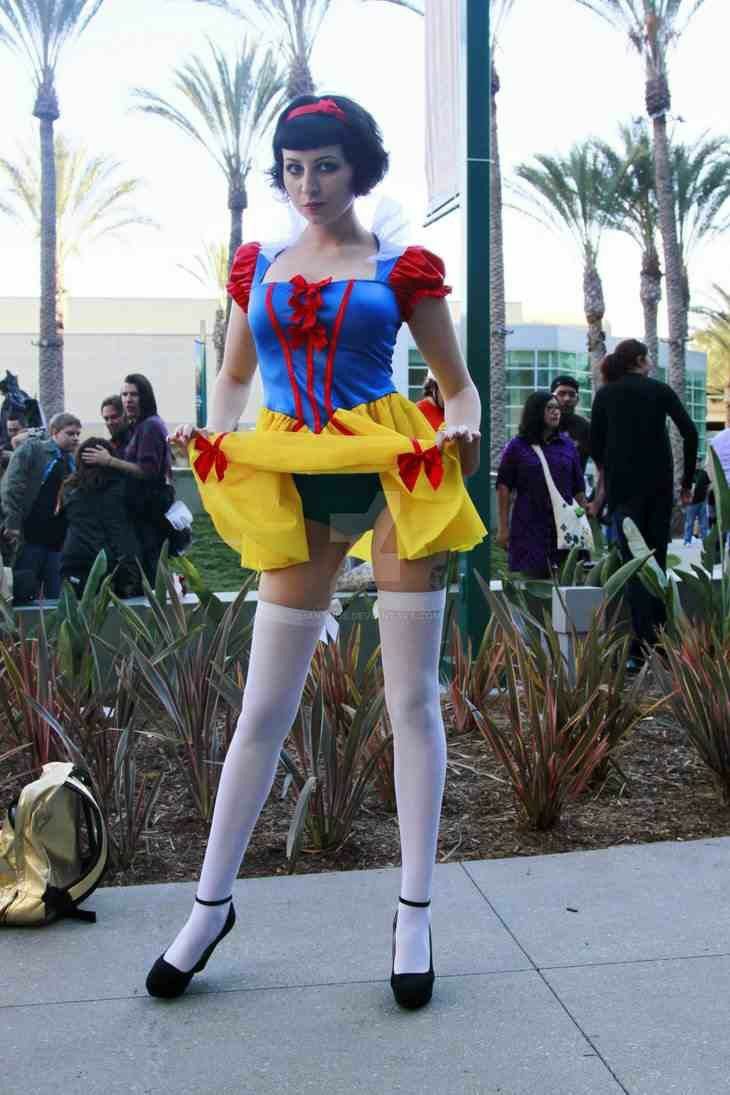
x=532, y=423
x=359, y=137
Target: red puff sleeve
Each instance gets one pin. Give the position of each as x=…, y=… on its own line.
x=244, y=264
x=418, y=273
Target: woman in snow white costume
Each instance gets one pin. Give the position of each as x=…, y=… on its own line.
x=337, y=455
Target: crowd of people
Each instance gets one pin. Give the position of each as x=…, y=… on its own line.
x=63, y=502
x=628, y=441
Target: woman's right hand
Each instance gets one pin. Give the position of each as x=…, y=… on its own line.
x=184, y=434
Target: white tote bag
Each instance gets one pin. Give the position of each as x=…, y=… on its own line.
x=571, y=523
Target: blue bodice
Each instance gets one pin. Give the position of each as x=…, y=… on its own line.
x=335, y=339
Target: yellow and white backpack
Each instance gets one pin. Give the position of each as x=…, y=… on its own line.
x=53, y=848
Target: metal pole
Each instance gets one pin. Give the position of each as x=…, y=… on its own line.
x=475, y=220
x=201, y=376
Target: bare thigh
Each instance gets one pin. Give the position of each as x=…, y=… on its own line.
x=307, y=585
x=404, y=575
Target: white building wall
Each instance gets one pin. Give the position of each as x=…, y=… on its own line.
x=106, y=339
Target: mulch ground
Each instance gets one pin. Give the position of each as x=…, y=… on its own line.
x=662, y=792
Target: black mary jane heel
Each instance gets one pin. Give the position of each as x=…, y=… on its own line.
x=412, y=990
x=167, y=981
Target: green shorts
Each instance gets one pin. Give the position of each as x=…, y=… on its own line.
x=348, y=503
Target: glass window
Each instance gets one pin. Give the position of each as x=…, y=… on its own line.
x=549, y=359
x=520, y=377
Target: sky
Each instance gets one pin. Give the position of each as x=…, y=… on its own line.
x=565, y=76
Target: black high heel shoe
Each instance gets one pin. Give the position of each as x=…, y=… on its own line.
x=167, y=981
x=412, y=990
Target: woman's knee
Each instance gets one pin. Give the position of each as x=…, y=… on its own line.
x=413, y=701
x=267, y=722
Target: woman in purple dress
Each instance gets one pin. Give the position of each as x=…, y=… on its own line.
x=530, y=536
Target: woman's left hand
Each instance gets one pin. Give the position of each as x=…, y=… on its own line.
x=469, y=442
x=97, y=455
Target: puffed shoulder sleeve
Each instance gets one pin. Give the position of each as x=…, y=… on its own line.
x=418, y=273
x=242, y=271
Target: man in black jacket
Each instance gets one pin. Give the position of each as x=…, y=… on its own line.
x=630, y=446
x=567, y=392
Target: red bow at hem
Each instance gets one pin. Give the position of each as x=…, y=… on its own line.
x=410, y=464
x=211, y=456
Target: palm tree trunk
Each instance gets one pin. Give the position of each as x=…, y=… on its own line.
x=50, y=346
x=237, y=202
x=219, y=337
x=498, y=313
x=673, y=273
x=651, y=294
x=299, y=79
x=595, y=309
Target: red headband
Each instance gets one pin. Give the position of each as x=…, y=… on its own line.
x=324, y=106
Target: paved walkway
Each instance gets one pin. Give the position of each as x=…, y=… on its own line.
x=592, y=973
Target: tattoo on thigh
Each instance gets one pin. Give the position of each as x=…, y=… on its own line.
x=437, y=577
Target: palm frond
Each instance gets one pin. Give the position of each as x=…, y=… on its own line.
x=210, y=268
x=634, y=210
x=39, y=29
x=409, y=5
x=702, y=189
x=23, y=181
x=223, y=105
x=576, y=192
x=651, y=25
x=90, y=196
x=293, y=23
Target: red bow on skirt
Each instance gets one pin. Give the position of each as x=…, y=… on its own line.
x=410, y=464
x=211, y=456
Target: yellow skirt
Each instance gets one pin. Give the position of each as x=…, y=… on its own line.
x=245, y=482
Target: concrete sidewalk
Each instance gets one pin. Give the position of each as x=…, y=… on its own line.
x=591, y=973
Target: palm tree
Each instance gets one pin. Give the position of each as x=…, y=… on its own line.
x=499, y=9
x=38, y=30
x=91, y=202
x=702, y=189
x=636, y=214
x=225, y=108
x=211, y=270
x=652, y=27
x=576, y=192
x=295, y=24
x=715, y=340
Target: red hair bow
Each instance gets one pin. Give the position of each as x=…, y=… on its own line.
x=410, y=464
x=324, y=106
x=211, y=456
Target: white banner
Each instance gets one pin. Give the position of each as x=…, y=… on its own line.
x=444, y=116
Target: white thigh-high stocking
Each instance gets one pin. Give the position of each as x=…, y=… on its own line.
x=410, y=636
x=282, y=646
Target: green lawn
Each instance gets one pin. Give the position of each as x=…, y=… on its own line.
x=219, y=566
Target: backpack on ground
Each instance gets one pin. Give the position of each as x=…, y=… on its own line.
x=53, y=848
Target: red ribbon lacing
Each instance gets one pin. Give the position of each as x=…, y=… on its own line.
x=305, y=301
x=410, y=464
x=211, y=457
